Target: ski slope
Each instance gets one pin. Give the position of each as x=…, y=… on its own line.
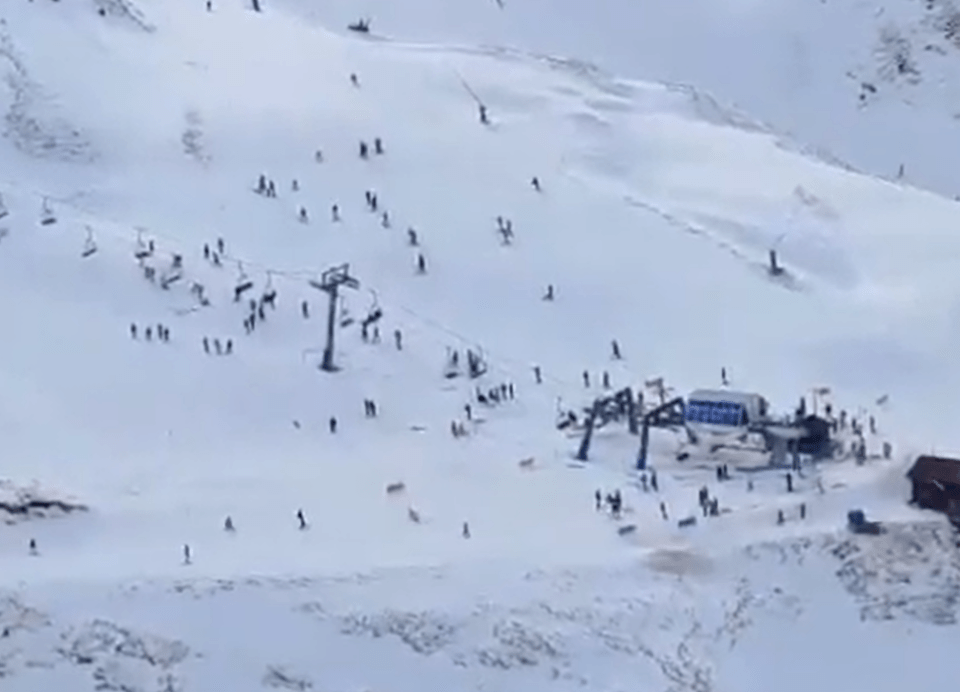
x=152, y=124
x=841, y=76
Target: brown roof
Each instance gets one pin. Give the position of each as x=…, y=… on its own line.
x=941, y=469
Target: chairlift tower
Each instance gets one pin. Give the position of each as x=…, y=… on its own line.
x=330, y=282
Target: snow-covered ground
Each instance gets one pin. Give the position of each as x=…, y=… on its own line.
x=145, y=129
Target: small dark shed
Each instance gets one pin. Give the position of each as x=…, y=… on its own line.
x=936, y=484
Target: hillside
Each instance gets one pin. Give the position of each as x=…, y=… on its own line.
x=144, y=132
x=870, y=84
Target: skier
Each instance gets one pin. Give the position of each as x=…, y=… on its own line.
x=33, y=546
x=615, y=347
x=723, y=376
x=606, y=380
x=318, y=156
x=261, y=185
x=465, y=531
x=469, y=411
x=228, y=524
x=133, y=331
x=295, y=186
x=536, y=374
x=597, y=500
x=354, y=80
x=220, y=246
x=333, y=425
x=412, y=237
x=305, y=309
x=536, y=183
x=421, y=264
x=385, y=220
x=803, y=510
x=206, y=251
x=206, y=345
x=186, y=554
x=789, y=482
x=586, y=379
x=363, y=149
x=398, y=339
x=148, y=333
x=301, y=519
x=303, y=215
x=377, y=146
x=335, y=213
x=653, y=481
x=483, y=115
x=229, y=346
x=549, y=294
x=217, y=347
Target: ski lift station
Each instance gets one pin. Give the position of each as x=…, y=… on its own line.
x=718, y=411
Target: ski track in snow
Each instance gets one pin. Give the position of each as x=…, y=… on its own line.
x=658, y=208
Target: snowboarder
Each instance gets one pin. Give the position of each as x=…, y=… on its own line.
x=301, y=519
x=333, y=425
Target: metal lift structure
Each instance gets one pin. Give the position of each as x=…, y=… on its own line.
x=330, y=282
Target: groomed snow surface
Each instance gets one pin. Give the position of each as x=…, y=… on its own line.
x=144, y=130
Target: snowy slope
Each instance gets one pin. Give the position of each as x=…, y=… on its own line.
x=871, y=83
x=653, y=225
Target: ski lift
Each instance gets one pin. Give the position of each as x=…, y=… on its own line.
x=361, y=26
x=374, y=312
x=346, y=319
x=143, y=250
x=89, y=245
x=47, y=216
